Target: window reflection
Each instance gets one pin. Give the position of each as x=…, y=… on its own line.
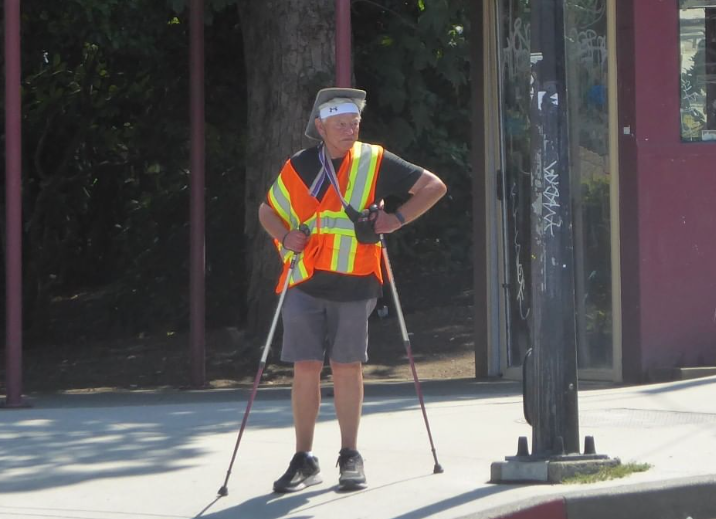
x=587, y=70
x=515, y=16
x=697, y=23
x=587, y=81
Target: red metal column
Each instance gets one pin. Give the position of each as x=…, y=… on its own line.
x=343, y=43
x=479, y=185
x=197, y=238
x=13, y=203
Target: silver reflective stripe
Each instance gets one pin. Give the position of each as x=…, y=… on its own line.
x=336, y=224
x=362, y=176
x=285, y=205
x=311, y=223
x=299, y=273
x=344, y=253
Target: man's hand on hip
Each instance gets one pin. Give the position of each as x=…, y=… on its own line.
x=386, y=223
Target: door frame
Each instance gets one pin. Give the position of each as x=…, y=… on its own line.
x=494, y=159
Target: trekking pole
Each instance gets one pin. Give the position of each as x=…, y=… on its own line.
x=406, y=342
x=224, y=490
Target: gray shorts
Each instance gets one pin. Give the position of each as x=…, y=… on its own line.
x=313, y=326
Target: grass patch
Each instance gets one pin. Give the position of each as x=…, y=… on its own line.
x=608, y=473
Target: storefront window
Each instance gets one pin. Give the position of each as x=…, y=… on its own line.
x=697, y=22
x=587, y=80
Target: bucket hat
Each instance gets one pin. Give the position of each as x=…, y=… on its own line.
x=324, y=96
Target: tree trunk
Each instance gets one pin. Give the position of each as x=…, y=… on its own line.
x=289, y=56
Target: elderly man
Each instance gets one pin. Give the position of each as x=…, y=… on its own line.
x=337, y=280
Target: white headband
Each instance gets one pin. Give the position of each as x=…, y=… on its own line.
x=338, y=106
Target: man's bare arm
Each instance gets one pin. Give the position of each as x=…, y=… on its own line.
x=294, y=240
x=425, y=193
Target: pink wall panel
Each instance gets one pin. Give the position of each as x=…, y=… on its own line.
x=676, y=207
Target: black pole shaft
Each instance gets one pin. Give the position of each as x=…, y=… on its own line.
x=408, y=349
x=224, y=490
x=555, y=421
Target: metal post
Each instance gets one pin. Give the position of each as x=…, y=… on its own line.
x=551, y=369
x=197, y=238
x=479, y=184
x=343, y=43
x=555, y=427
x=13, y=205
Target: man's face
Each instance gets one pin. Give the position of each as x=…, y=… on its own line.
x=339, y=133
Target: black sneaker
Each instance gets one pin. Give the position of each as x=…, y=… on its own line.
x=303, y=471
x=351, y=466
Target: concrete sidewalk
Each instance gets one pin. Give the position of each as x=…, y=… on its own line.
x=152, y=455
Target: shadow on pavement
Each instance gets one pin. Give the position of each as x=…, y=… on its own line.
x=62, y=445
x=278, y=506
x=268, y=506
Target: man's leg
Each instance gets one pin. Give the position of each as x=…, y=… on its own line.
x=306, y=400
x=303, y=471
x=348, y=400
x=348, y=396
x=348, y=346
x=303, y=345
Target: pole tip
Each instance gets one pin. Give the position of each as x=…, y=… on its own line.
x=223, y=491
x=438, y=469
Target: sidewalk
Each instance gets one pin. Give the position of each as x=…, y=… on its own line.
x=160, y=455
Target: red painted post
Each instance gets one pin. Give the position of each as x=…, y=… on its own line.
x=343, y=43
x=13, y=203
x=197, y=238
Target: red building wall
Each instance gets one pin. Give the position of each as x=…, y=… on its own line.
x=668, y=202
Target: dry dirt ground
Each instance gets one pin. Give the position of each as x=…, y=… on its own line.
x=438, y=316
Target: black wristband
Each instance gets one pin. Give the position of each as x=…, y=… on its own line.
x=400, y=217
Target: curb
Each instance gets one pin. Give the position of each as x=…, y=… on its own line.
x=693, y=497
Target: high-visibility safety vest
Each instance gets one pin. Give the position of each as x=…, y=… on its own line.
x=333, y=245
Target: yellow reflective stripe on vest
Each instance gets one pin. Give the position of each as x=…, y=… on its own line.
x=366, y=175
x=344, y=253
x=336, y=223
x=363, y=170
x=311, y=223
x=361, y=179
x=281, y=201
x=299, y=273
x=285, y=253
x=358, y=149
x=342, y=243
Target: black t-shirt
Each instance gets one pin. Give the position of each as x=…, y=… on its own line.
x=395, y=179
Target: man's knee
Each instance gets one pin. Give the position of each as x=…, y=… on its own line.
x=307, y=368
x=346, y=369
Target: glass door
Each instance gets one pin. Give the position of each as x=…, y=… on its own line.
x=514, y=177
x=591, y=168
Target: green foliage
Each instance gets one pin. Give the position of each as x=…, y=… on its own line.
x=106, y=148
x=105, y=101
x=413, y=59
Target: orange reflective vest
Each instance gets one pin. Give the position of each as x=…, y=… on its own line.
x=333, y=245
